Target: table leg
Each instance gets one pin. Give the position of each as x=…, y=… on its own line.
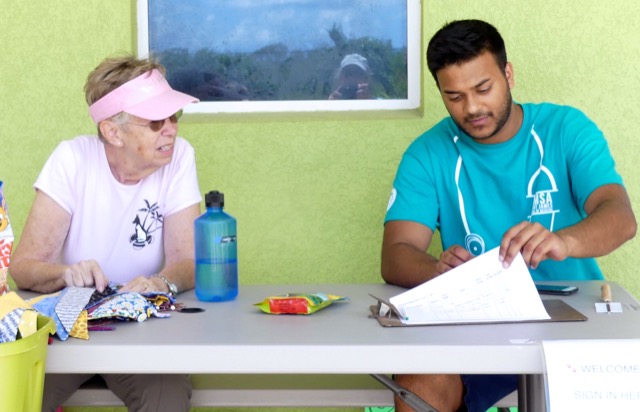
x=410, y=398
x=531, y=394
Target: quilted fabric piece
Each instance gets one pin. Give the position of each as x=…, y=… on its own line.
x=127, y=305
x=46, y=305
x=16, y=315
x=75, y=309
x=11, y=301
x=29, y=323
x=9, y=325
x=80, y=329
x=97, y=296
x=161, y=301
x=71, y=303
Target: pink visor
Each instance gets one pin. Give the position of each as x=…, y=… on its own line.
x=148, y=96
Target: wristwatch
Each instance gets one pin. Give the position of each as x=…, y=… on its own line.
x=173, y=289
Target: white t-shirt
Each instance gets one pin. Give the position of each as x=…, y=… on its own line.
x=120, y=226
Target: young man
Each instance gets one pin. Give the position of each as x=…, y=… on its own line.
x=531, y=178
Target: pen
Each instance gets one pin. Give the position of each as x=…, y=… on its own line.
x=605, y=292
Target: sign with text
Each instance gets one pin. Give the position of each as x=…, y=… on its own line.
x=593, y=375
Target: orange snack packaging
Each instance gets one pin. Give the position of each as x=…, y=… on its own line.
x=298, y=303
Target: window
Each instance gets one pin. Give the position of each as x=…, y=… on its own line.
x=287, y=55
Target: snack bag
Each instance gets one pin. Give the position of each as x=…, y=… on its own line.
x=6, y=242
x=298, y=303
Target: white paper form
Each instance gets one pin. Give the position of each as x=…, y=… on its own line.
x=479, y=290
x=593, y=375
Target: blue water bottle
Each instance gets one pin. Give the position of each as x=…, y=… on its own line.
x=216, y=252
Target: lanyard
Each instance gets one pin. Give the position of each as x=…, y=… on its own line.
x=473, y=242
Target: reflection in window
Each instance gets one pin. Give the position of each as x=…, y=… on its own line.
x=268, y=50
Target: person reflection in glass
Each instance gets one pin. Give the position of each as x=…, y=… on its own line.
x=353, y=79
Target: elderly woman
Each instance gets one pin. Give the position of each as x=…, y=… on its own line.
x=117, y=207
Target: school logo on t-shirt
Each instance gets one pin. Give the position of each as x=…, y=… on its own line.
x=148, y=219
x=544, y=184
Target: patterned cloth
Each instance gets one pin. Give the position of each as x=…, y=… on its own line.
x=80, y=329
x=17, y=318
x=73, y=309
x=72, y=302
x=46, y=304
x=126, y=305
x=9, y=325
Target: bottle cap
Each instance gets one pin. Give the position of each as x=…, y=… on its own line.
x=214, y=198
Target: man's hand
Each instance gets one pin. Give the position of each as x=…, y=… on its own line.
x=85, y=273
x=535, y=242
x=454, y=256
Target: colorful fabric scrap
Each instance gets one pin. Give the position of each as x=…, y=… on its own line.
x=126, y=305
x=75, y=309
x=17, y=318
x=71, y=304
x=9, y=325
x=80, y=329
x=46, y=305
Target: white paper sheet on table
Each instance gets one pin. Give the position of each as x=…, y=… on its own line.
x=480, y=290
x=593, y=375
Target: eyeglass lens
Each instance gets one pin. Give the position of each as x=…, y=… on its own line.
x=156, y=125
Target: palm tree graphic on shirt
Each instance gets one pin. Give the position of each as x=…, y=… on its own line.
x=144, y=228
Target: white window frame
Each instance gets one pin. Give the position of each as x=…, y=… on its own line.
x=414, y=88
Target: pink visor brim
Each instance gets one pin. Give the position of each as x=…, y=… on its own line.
x=148, y=96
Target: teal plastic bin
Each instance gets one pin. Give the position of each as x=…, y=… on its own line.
x=22, y=369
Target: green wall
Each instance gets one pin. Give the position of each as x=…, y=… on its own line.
x=310, y=191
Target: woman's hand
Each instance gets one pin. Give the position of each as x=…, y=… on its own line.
x=143, y=284
x=86, y=273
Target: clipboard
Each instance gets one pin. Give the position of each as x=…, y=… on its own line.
x=559, y=311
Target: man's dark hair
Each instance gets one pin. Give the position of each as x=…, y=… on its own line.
x=463, y=40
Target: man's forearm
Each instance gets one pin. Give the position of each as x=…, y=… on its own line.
x=609, y=225
x=404, y=265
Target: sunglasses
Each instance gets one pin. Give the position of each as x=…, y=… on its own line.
x=156, y=125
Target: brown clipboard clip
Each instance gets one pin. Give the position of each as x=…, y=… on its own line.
x=385, y=309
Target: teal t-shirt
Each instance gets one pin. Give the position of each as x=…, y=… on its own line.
x=473, y=193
